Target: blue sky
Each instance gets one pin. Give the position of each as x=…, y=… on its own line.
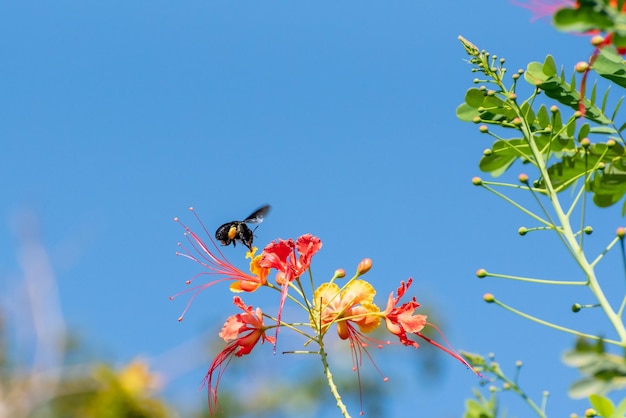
x=118, y=116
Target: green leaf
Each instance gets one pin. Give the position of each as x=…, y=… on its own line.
x=583, y=132
x=556, y=88
x=543, y=117
x=610, y=65
x=549, y=66
x=582, y=19
x=602, y=405
x=620, y=411
x=466, y=112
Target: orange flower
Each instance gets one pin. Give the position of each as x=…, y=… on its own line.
x=216, y=264
x=241, y=333
x=353, y=304
x=401, y=320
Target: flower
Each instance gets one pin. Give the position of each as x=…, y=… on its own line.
x=241, y=333
x=217, y=264
x=401, y=320
x=281, y=256
x=352, y=304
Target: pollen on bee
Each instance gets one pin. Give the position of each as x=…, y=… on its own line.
x=232, y=232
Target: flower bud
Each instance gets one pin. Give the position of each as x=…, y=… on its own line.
x=339, y=274
x=610, y=143
x=481, y=273
x=483, y=129
x=489, y=298
x=523, y=178
x=585, y=142
x=588, y=230
x=487, y=152
x=364, y=266
x=621, y=232
x=477, y=181
x=522, y=230
x=554, y=108
x=581, y=67
x=576, y=307
x=597, y=40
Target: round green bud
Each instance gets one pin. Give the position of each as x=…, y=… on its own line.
x=578, y=114
x=506, y=386
x=489, y=298
x=610, y=143
x=477, y=181
x=482, y=88
x=576, y=307
x=515, y=76
x=590, y=413
x=481, y=273
x=554, y=108
x=588, y=230
x=519, y=363
x=512, y=96
x=522, y=230
x=585, y=142
x=523, y=178
x=517, y=122
x=491, y=92
x=621, y=232
x=581, y=67
x=502, y=60
x=483, y=129
x=481, y=109
x=520, y=71
x=487, y=152
x=476, y=119
x=601, y=166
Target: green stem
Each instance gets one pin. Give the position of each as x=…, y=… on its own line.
x=541, y=281
x=554, y=326
x=331, y=383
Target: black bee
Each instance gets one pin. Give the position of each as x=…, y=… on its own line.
x=238, y=230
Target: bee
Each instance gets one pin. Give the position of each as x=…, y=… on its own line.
x=234, y=231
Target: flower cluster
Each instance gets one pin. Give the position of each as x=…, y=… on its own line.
x=350, y=307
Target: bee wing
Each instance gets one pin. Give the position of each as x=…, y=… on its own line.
x=258, y=215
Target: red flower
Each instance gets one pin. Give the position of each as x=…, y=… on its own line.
x=401, y=320
x=217, y=264
x=281, y=256
x=241, y=332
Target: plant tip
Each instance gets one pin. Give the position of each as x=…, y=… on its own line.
x=477, y=181
x=489, y=298
x=481, y=273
